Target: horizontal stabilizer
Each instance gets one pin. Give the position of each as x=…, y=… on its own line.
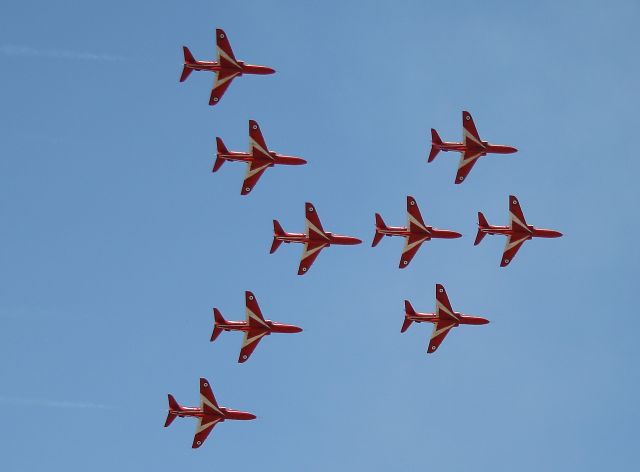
x=173, y=406
x=379, y=225
x=277, y=231
x=218, y=319
x=482, y=223
x=435, y=143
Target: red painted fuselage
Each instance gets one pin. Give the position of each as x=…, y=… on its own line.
x=214, y=66
x=273, y=327
x=195, y=412
x=278, y=159
x=432, y=233
x=486, y=148
x=533, y=232
x=331, y=238
x=433, y=318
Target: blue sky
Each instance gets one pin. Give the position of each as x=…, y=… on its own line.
x=117, y=240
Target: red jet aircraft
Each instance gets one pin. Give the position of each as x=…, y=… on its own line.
x=443, y=319
x=415, y=233
x=258, y=159
x=517, y=232
x=254, y=328
x=314, y=239
x=209, y=413
x=471, y=147
x=227, y=67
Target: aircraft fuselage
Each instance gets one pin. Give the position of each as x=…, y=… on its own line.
x=214, y=66
x=228, y=414
x=330, y=239
x=487, y=148
x=430, y=233
x=433, y=318
x=279, y=159
x=533, y=232
x=274, y=327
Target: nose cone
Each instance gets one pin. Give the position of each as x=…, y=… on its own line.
x=352, y=240
x=269, y=70
x=483, y=321
x=250, y=416
x=556, y=234
x=296, y=329
x=510, y=150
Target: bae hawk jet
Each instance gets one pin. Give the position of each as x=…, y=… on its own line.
x=471, y=147
x=227, y=67
x=258, y=159
x=209, y=413
x=416, y=232
x=315, y=238
x=255, y=327
x=517, y=232
x=443, y=319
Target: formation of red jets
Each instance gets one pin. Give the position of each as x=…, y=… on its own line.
x=315, y=238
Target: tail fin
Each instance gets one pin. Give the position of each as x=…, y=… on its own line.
x=222, y=149
x=408, y=310
x=379, y=225
x=188, y=59
x=277, y=231
x=482, y=223
x=218, y=319
x=173, y=406
x=435, y=142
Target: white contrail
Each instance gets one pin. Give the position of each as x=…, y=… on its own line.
x=26, y=51
x=52, y=403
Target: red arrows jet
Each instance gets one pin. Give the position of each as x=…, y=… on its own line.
x=255, y=327
x=443, y=319
x=517, y=232
x=227, y=67
x=258, y=159
x=415, y=233
x=471, y=147
x=209, y=413
x=314, y=239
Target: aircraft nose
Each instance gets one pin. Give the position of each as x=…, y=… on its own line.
x=511, y=149
x=269, y=70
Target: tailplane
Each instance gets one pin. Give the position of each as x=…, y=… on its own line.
x=277, y=231
x=222, y=149
x=435, y=145
x=218, y=320
x=379, y=225
x=188, y=59
x=173, y=406
x=408, y=310
x=482, y=224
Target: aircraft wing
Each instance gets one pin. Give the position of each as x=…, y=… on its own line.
x=467, y=160
x=223, y=79
x=411, y=248
x=212, y=414
x=516, y=217
x=225, y=53
x=250, y=342
x=313, y=226
x=470, y=136
x=253, y=313
x=440, y=331
x=514, y=243
x=415, y=221
x=203, y=427
x=208, y=402
x=255, y=169
x=257, y=146
x=443, y=307
x=311, y=251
